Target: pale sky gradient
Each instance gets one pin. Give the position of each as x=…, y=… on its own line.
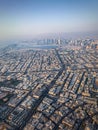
x=27, y=18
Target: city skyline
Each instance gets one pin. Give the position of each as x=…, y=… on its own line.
x=26, y=19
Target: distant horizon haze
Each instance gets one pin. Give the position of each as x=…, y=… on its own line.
x=21, y=19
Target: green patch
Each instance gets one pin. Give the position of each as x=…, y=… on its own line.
x=10, y=83
x=5, y=99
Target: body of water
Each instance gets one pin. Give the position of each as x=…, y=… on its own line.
x=44, y=46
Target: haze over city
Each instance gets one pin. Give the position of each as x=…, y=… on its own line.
x=48, y=65
x=29, y=18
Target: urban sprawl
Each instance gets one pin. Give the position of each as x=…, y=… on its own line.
x=52, y=86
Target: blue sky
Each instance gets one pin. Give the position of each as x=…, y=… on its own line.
x=26, y=18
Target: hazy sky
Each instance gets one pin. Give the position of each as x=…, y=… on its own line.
x=25, y=18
